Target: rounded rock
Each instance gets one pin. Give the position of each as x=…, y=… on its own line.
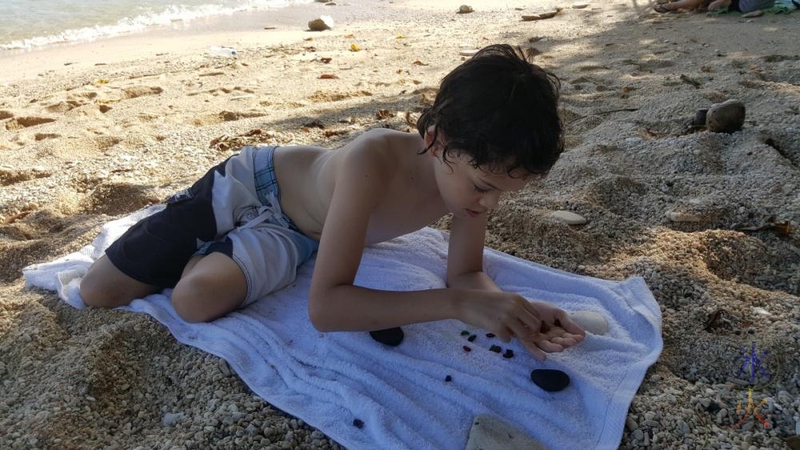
x=590, y=321
x=725, y=117
x=465, y=9
x=676, y=216
x=570, y=218
x=321, y=24
x=550, y=380
x=390, y=336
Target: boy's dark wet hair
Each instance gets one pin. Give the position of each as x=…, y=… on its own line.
x=499, y=109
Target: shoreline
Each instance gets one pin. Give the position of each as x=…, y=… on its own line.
x=243, y=29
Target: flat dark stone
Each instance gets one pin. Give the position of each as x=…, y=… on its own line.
x=550, y=380
x=390, y=336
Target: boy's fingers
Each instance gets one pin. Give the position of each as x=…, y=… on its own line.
x=569, y=325
x=549, y=346
x=520, y=330
x=565, y=341
x=530, y=320
x=535, y=351
x=505, y=336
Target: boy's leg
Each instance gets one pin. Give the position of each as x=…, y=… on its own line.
x=210, y=287
x=105, y=286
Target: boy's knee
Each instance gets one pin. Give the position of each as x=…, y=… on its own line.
x=187, y=299
x=94, y=293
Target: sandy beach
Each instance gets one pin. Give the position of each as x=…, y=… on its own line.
x=92, y=132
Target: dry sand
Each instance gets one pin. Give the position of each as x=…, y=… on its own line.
x=129, y=121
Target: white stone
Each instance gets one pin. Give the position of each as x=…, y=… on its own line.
x=169, y=419
x=590, y=321
x=568, y=217
x=488, y=433
x=321, y=24
x=677, y=216
x=580, y=5
x=468, y=52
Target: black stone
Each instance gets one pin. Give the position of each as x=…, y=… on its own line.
x=550, y=380
x=490, y=335
x=465, y=333
x=472, y=338
x=448, y=378
x=713, y=407
x=495, y=348
x=467, y=349
x=358, y=423
x=509, y=353
x=390, y=336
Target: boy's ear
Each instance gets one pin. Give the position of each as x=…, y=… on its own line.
x=429, y=136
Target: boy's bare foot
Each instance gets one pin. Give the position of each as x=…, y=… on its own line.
x=718, y=4
x=664, y=8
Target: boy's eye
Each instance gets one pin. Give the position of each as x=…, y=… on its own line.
x=481, y=190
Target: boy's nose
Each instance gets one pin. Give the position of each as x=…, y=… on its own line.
x=490, y=200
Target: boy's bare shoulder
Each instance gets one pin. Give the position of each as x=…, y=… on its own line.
x=381, y=150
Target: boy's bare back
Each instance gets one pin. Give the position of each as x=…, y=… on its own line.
x=408, y=200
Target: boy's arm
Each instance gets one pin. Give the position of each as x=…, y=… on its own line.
x=334, y=303
x=554, y=332
x=465, y=255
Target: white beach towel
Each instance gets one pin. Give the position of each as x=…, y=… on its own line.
x=400, y=393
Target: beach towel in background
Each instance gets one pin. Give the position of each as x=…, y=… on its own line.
x=400, y=396
x=784, y=6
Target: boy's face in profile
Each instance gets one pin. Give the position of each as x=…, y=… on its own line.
x=468, y=191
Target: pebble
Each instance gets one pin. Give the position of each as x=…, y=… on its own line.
x=541, y=16
x=590, y=321
x=169, y=419
x=683, y=427
x=725, y=117
x=568, y=217
x=550, y=380
x=676, y=216
x=630, y=423
x=390, y=336
x=751, y=14
x=223, y=367
x=321, y=24
x=465, y=9
x=579, y=5
x=468, y=52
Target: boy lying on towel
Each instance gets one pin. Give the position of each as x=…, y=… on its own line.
x=241, y=231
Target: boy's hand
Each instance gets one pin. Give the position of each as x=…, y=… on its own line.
x=556, y=331
x=539, y=326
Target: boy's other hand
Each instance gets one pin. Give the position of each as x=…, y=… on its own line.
x=556, y=331
x=540, y=326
